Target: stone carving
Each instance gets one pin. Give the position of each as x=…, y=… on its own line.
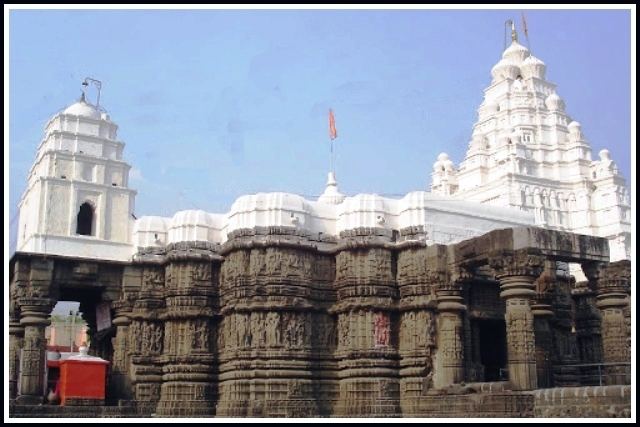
x=288, y=332
x=273, y=329
x=202, y=272
x=381, y=329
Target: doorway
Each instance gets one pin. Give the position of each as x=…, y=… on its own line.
x=493, y=348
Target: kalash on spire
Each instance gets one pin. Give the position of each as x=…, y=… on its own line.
x=527, y=153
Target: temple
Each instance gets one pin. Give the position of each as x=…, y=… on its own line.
x=456, y=302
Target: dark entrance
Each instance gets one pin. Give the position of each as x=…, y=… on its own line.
x=85, y=220
x=493, y=349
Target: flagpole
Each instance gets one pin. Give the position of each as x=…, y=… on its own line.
x=331, y=158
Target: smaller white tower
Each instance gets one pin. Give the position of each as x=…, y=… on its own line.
x=77, y=201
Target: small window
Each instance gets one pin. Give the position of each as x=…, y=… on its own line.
x=63, y=176
x=85, y=220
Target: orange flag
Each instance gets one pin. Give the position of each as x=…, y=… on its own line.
x=333, y=133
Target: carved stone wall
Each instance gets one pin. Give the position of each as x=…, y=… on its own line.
x=276, y=337
x=417, y=323
x=278, y=322
x=367, y=350
x=190, y=279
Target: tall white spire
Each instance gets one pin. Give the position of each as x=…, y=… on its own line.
x=527, y=153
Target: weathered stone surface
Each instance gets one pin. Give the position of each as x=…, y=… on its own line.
x=278, y=322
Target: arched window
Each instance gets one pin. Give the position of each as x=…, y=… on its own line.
x=85, y=220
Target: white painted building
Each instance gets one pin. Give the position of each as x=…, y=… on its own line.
x=528, y=154
x=77, y=201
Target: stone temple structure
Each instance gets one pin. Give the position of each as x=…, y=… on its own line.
x=361, y=306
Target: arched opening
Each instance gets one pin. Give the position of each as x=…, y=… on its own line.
x=85, y=220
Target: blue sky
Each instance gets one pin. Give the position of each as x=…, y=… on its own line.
x=216, y=104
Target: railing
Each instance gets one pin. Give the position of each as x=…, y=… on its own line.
x=592, y=373
x=603, y=373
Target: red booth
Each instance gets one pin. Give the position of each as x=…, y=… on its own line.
x=83, y=380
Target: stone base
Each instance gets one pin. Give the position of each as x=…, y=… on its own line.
x=83, y=402
x=55, y=411
x=592, y=402
x=476, y=405
x=29, y=400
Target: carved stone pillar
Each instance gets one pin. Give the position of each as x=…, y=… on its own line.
x=449, y=365
x=565, y=345
x=367, y=350
x=34, y=317
x=16, y=334
x=16, y=331
x=417, y=277
x=587, y=321
x=121, y=364
x=145, y=336
x=587, y=324
x=516, y=272
x=612, y=290
x=189, y=378
x=542, y=313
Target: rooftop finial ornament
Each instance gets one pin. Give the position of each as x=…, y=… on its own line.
x=514, y=33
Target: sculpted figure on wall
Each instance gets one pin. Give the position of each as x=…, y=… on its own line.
x=292, y=265
x=381, y=329
x=156, y=339
x=300, y=332
x=202, y=272
x=273, y=329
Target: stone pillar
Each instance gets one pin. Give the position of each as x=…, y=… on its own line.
x=19, y=279
x=542, y=313
x=450, y=366
x=565, y=348
x=145, y=338
x=612, y=291
x=417, y=277
x=34, y=317
x=587, y=323
x=189, y=378
x=367, y=350
x=516, y=273
x=121, y=364
x=16, y=334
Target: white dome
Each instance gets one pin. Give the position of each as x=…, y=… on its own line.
x=554, y=102
x=516, y=52
x=604, y=154
x=197, y=218
x=269, y=201
x=505, y=68
x=533, y=67
x=574, y=124
x=151, y=224
x=84, y=109
x=443, y=163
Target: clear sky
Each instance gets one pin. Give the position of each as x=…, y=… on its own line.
x=216, y=104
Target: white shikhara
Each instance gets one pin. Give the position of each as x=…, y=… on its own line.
x=526, y=153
